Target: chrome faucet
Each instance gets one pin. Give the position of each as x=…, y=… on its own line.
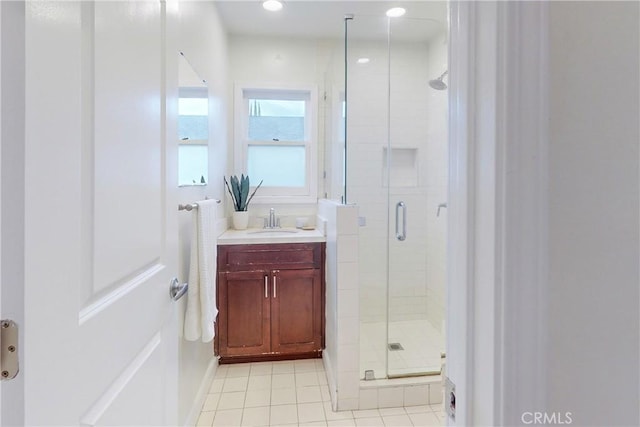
x=272, y=218
x=272, y=221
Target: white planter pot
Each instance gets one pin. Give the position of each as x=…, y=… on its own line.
x=240, y=220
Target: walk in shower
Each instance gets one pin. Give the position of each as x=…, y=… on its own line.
x=389, y=155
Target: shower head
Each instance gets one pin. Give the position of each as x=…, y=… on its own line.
x=438, y=84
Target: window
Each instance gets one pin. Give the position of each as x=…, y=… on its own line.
x=193, y=132
x=276, y=135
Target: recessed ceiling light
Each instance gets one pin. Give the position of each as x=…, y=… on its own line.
x=363, y=60
x=396, y=12
x=272, y=5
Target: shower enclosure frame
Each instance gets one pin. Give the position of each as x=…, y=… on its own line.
x=493, y=46
x=413, y=293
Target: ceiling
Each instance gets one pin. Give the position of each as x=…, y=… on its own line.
x=325, y=19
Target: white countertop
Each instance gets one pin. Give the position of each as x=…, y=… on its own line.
x=259, y=235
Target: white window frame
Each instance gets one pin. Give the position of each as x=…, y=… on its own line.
x=309, y=192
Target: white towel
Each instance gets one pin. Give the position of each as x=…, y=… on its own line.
x=201, y=296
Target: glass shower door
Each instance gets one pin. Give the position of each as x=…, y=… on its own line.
x=414, y=344
x=396, y=174
x=417, y=172
x=367, y=135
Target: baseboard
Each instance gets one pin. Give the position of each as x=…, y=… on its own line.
x=201, y=395
x=328, y=368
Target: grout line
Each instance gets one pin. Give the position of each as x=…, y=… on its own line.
x=434, y=409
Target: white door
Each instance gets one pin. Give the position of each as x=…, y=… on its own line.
x=12, y=194
x=100, y=242
x=0, y=195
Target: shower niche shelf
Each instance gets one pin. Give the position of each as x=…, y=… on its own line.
x=403, y=167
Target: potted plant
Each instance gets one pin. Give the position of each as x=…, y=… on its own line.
x=239, y=192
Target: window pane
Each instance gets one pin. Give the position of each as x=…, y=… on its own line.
x=276, y=120
x=193, y=164
x=193, y=106
x=193, y=118
x=277, y=165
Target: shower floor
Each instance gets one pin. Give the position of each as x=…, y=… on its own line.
x=422, y=347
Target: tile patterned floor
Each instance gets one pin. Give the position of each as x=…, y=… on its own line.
x=293, y=393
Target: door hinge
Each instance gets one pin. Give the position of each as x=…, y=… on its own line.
x=8, y=350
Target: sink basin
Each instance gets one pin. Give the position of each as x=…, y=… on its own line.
x=273, y=230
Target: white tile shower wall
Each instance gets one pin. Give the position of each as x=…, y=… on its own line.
x=348, y=307
x=400, y=392
x=418, y=122
x=367, y=136
x=410, y=271
x=342, y=307
x=408, y=128
x=327, y=213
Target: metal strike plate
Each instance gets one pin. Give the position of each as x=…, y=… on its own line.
x=8, y=350
x=450, y=398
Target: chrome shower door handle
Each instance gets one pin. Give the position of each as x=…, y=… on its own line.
x=401, y=235
x=176, y=289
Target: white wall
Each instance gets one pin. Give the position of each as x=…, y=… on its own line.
x=204, y=42
x=593, y=217
x=327, y=214
x=276, y=60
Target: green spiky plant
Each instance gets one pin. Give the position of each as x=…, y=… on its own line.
x=239, y=191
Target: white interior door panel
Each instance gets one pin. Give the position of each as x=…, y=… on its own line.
x=101, y=339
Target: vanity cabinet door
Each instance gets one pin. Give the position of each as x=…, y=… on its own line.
x=296, y=311
x=244, y=313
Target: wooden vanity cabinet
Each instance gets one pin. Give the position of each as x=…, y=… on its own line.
x=270, y=301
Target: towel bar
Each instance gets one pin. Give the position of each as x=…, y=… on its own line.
x=191, y=206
